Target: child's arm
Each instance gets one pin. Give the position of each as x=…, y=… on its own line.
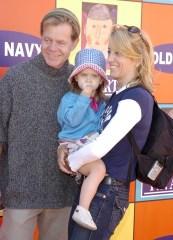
x=73, y=109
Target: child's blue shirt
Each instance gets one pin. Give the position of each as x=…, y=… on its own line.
x=76, y=117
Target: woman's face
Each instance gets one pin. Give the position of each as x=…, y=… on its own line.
x=122, y=69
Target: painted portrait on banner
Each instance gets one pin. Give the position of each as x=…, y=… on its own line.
x=97, y=22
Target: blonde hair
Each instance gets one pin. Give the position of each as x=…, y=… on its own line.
x=60, y=16
x=135, y=45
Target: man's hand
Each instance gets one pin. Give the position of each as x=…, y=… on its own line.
x=62, y=154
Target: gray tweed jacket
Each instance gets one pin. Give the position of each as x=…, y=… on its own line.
x=29, y=97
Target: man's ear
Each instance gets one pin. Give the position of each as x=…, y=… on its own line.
x=75, y=42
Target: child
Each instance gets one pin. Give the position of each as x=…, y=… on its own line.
x=79, y=116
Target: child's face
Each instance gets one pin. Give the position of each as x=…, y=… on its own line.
x=88, y=76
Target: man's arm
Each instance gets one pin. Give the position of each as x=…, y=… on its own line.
x=1, y=149
x=6, y=99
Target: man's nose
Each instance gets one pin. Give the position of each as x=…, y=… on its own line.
x=53, y=46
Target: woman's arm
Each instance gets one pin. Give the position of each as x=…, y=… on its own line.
x=127, y=115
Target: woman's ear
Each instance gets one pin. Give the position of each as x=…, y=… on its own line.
x=137, y=63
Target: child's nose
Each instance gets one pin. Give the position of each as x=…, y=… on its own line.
x=88, y=79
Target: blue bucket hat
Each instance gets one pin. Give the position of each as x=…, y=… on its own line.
x=92, y=58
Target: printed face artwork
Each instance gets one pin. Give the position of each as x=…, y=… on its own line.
x=97, y=22
x=97, y=34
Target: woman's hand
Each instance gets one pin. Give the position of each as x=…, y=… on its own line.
x=62, y=154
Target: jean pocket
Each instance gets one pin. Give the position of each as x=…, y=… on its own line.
x=99, y=200
x=118, y=211
x=101, y=195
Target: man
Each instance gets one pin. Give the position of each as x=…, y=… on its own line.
x=34, y=190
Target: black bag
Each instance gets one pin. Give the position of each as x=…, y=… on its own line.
x=155, y=161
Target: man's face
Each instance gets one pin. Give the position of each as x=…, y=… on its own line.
x=97, y=33
x=57, y=44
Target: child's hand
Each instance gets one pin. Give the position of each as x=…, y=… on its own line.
x=87, y=89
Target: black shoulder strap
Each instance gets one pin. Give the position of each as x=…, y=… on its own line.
x=131, y=138
x=136, y=150
x=130, y=135
x=133, y=142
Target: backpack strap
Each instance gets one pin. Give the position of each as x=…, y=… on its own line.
x=131, y=138
x=133, y=143
x=136, y=150
x=129, y=173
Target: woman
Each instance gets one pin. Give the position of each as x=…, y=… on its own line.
x=131, y=61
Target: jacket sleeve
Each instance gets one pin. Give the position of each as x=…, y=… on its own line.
x=5, y=108
x=72, y=111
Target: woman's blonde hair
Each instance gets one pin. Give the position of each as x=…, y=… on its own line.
x=136, y=45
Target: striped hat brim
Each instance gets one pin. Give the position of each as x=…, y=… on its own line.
x=94, y=67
